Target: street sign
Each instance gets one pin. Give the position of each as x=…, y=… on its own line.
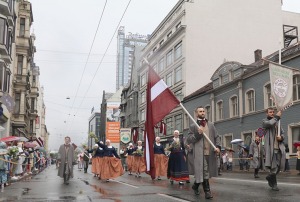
x=261, y=132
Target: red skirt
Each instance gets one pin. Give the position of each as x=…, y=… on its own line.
x=112, y=168
x=99, y=164
x=94, y=164
x=161, y=164
x=139, y=165
x=130, y=162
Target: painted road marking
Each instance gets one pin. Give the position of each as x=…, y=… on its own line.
x=124, y=183
x=173, y=198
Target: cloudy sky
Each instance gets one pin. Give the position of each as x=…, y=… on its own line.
x=65, y=31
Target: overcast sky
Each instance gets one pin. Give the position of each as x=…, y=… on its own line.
x=64, y=31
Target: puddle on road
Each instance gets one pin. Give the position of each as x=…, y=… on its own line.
x=25, y=191
x=67, y=197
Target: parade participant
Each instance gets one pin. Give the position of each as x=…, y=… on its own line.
x=130, y=158
x=3, y=165
x=274, y=147
x=100, y=155
x=66, y=160
x=95, y=157
x=298, y=159
x=177, y=166
x=80, y=160
x=123, y=156
x=86, y=158
x=160, y=159
x=112, y=166
x=139, y=161
x=256, y=155
x=189, y=157
x=219, y=160
x=205, y=162
x=241, y=159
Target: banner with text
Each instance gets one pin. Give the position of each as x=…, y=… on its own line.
x=113, y=131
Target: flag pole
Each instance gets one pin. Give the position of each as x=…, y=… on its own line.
x=184, y=109
x=279, y=62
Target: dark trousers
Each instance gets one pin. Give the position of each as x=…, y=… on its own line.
x=86, y=165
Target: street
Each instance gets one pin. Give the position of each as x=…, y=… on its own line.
x=236, y=186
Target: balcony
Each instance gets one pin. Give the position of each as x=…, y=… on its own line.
x=6, y=7
x=3, y=49
x=20, y=82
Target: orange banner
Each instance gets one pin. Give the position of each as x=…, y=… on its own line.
x=113, y=131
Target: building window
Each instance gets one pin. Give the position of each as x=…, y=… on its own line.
x=154, y=49
x=143, y=79
x=3, y=31
x=178, y=50
x=161, y=65
x=247, y=137
x=178, y=122
x=20, y=65
x=22, y=26
x=31, y=126
x=233, y=106
x=2, y=74
x=268, y=101
x=143, y=115
x=250, y=101
x=178, y=74
x=161, y=42
x=32, y=105
x=296, y=87
x=208, y=113
x=169, y=126
x=143, y=97
x=219, y=111
x=295, y=136
x=179, y=95
x=169, y=34
x=169, y=79
x=227, y=140
x=169, y=57
x=17, y=103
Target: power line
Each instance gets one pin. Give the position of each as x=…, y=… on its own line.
x=104, y=54
x=70, y=52
x=88, y=56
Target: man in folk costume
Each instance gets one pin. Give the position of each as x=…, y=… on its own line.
x=66, y=160
x=205, y=161
x=274, y=147
x=256, y=155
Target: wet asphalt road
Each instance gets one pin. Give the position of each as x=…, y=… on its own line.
x=237, y=186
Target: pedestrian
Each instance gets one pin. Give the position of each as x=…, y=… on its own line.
x=123, y=156
x=80, y=161
x=3, y=165
x=177, y=166
x=219, y=160
x=229, y=158
x=287, y=157
x=160, y=159
x=189, y=158
x=298, y=159
x=224, y=158
x=240, y=155
x=130, y=158
x=66, y=160
x=111, y=163
x=256, y=154
x=100, y=155
x=205, y=162
x=139, y=165
x=274, y=147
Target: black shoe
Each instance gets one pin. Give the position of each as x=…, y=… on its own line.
x=256, y=176
x=181, y=183
x=158, y=178
x=187, y=181
x=269, y=180
x=171, y=181
x=195, y=188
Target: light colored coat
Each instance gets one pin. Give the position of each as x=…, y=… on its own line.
x=62, y=159
x=257, y=152
x=198, y=151
x=271, y=133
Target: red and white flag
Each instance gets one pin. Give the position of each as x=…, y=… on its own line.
x=160, y=102
x=162, y=128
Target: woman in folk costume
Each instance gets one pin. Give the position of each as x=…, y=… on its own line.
x=139, y=161
x=130, y=158
x=177, y=167
x=66, y=160
x=160, y=159
x=111, y=164
x=100, y=155
x=95, y=159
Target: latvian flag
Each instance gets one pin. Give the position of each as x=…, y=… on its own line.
x=160, y=102
x=134, y=134
x=40, y=141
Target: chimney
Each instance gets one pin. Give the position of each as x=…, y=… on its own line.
x=257, y=55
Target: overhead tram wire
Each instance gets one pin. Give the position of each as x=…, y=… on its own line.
x=102, y=58
x=88, y=58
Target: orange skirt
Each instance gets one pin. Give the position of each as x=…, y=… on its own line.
x=112, y=168
x=94, y=164
x=99, y=165
x=161, y=164
x=130, y=162
x=139, y=165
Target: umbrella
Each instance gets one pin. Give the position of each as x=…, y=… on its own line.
x=23, y=139
x=10, y=139
x=296, y=144
x=29, y=145
x=236, y=141
x=245, y=147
